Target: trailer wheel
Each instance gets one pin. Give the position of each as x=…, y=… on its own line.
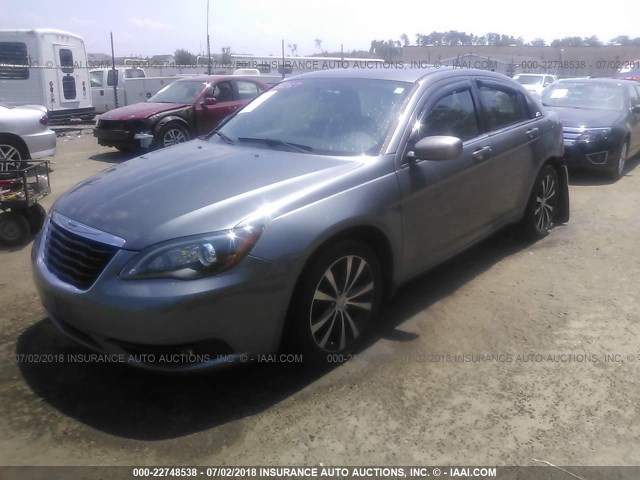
x=36, y=215
x=14, y=229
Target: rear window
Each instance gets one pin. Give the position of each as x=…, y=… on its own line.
x=66, y=60
x=14, y=61
x=134, y=73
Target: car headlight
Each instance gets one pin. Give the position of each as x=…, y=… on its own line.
x=195, y=256
x=590, y=135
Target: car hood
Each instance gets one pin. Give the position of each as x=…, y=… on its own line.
x=583, y=117
x=194, y=188
x=140, y=110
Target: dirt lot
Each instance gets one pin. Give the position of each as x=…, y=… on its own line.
x=422, y=392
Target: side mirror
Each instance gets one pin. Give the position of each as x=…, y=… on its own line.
x=635, y=109
x=438, y=147
x=208, y=101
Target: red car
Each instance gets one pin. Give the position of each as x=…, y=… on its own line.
x=183, y=110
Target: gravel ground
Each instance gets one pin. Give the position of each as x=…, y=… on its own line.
x=509, y=354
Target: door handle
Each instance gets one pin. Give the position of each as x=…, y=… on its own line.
x=532, y=133
x=102, y=93
x=482, y=153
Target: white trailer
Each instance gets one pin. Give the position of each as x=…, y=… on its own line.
x=45, y=67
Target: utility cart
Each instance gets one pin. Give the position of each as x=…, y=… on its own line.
x=22, y=186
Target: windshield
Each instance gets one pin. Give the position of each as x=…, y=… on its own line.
x=179, y=92
x=322, y=116
x=590, y=95
x=528, y=79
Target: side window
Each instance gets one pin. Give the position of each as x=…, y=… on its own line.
x=247, y=90
x=96, y=78
x=66, y=60
x=502, y=105
x=222, y=92
x=454, y=114
x=112, y=78
x=634, y=95
x=12, y=56
x=547, y=81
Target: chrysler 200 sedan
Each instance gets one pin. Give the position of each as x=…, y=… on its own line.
x=292, y=222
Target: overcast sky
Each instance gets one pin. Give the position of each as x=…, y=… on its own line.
x=151, y=27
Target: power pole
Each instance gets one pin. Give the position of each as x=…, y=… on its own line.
x=208, y=43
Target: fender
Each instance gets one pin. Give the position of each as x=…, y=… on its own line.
x=172, y=118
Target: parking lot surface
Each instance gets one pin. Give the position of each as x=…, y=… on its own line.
x=512, y=353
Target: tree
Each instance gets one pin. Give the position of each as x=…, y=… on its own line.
x=319, y=44
x=184, y=57
x=538, y=42
x=293, y=48
x=388, y=49
x=405, y=40
x=592, y=41
x=226, y=54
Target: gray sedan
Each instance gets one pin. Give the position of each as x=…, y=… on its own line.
x=24, y=134
x=291, y=224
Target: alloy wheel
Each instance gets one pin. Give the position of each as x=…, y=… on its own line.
x=342, y=303
x=173, y=136
x=546, y=201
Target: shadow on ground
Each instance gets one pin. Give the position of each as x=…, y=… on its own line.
x=592, y=178
x=116, y=156
x=136, y=404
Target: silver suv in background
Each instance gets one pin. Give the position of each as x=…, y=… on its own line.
x=298, y=216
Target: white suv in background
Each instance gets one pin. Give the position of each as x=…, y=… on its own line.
x=535, y=82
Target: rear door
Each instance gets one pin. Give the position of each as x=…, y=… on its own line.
x=68, y=94
x=514, y=137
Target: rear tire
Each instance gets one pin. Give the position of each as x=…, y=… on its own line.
x=335, y=303
x=543, y=205
x=14, y=229
x=13, y=152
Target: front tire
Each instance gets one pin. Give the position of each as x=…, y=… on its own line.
x=336, y=302
x=171, y=134
x=543, y=205
x=618, y=168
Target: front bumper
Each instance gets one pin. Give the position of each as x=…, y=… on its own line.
x=600, y=155
x=167, y=324
x=125, y=135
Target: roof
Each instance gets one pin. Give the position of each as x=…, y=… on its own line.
x=46, y=31
x=607, y=81
x=397, y=74
x=209, y=78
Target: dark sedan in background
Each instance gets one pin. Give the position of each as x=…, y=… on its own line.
x=179, y=112
x=601, y=121
x=298, y=216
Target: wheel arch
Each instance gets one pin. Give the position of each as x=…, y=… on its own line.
x=16, y=138
x=172, y=119
x=369, y=235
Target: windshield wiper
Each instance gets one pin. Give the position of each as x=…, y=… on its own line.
x=223, y=136
x=274, y=142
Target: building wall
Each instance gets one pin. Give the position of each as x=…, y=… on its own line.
x=567, y=61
